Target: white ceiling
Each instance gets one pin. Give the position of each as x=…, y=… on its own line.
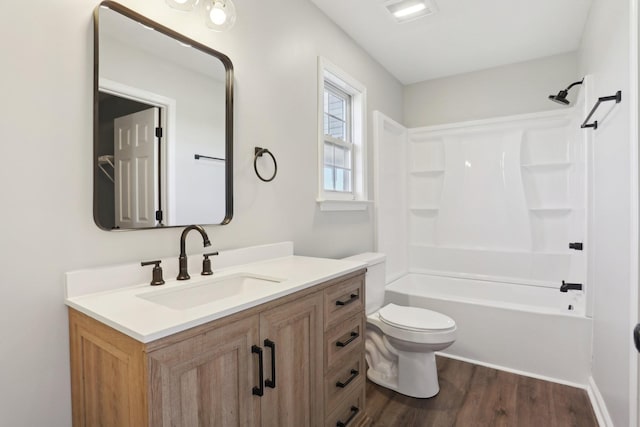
x=463, y=36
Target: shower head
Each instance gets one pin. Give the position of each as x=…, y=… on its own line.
x=561, y=97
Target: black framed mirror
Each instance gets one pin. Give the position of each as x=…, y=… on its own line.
x=163, y=125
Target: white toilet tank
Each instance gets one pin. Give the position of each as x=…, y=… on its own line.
x=376, y=278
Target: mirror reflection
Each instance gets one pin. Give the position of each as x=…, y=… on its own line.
x=162, y=126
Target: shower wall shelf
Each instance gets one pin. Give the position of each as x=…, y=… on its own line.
x=424, y=208
x=617, y=97
x=547, y=165
x=551, y=209
x=103, y=162
x=427, y=172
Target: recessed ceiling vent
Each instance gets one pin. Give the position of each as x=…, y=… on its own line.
x=408, y=10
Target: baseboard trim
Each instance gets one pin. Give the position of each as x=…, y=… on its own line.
x=513, y=371
x=597, y=402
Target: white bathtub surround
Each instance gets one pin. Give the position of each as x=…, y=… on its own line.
x=499, y=198
x=476, y=220
x=118, y=295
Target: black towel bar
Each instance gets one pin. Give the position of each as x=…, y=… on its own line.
x=617, y=97
x=200, y=156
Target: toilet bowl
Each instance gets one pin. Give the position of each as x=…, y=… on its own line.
x=400, y=340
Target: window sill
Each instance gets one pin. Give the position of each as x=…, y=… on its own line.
x=343, y=205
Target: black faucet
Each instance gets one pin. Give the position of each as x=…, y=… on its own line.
x=570, y=286
x=182, y=260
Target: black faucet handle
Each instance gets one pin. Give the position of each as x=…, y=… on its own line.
x=157, y=272
x=206, y=264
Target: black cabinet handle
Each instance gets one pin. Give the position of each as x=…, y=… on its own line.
x=636, y=337
x=351, y=299
x=354, y=374
x=354, y=412
x=259, y=391
x=272, y=382
x=353, y=335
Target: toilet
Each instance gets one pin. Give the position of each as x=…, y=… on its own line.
x=401, y=341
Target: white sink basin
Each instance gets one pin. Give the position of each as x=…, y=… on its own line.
x=182, y=297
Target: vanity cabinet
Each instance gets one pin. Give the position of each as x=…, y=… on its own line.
x=210, y=375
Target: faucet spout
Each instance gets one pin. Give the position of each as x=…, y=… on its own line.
x=570, y=286
x=183, y=274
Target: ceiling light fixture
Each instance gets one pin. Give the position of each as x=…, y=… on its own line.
x=186, y=5
x=408, y=10
x=220, y=15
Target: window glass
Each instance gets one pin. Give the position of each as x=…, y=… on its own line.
x=337, y=147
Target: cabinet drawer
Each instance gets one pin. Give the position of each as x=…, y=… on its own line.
x=342, y=380
x=351, y=409
x=343, y=300
x=344, y=341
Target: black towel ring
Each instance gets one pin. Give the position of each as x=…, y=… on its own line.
x=259, y=151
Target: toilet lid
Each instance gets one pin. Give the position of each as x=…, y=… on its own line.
x=414, y=318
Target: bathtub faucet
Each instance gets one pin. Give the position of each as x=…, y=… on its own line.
x=570, y=286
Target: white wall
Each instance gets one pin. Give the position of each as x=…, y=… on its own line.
x=511, y=89
x=45, y=180
x=605, y=54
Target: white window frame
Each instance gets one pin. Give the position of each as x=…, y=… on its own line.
x=357, y=198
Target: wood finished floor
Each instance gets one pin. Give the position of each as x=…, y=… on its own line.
x=476, y=396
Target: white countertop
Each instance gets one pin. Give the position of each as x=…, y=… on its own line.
x=124, y=310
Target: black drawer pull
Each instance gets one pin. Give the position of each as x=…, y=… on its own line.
x=259, y=391
x=272, y=382
x=354, y=412
x=354, y=374
x=351, y=299
x=354, y=335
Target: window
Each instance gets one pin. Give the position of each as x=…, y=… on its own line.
x=338, y=147
x=341, y=140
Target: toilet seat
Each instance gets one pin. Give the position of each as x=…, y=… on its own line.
x=415, y=319
x=424, y=335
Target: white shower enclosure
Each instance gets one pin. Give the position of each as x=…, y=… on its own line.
x=498, y=199
x=476, y=219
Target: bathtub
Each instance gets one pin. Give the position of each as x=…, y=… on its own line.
x=531, y=330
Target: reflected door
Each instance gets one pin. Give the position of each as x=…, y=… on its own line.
x=136, y=169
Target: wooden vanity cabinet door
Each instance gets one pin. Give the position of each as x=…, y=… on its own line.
x=296, y=328
x=207, y=379
x=108, y=375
